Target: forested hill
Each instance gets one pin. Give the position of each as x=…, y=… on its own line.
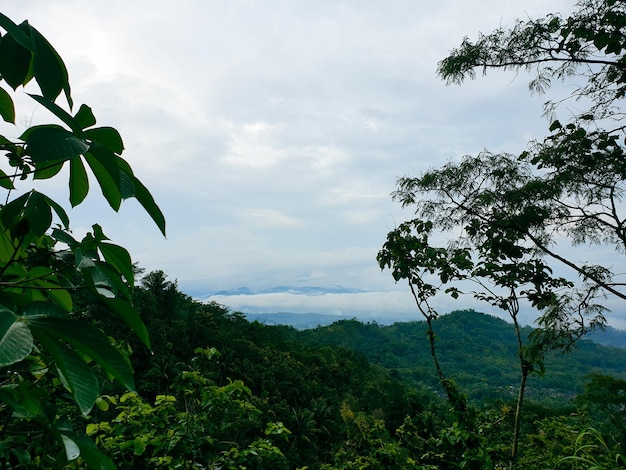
x=477, y=350
x=328, y=397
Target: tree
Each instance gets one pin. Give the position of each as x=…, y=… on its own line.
x=510, y=216
x=45, y=346
x=571, y=183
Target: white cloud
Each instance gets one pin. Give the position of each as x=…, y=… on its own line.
x=271, y=133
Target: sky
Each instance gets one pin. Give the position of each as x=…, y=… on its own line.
x=272, y=133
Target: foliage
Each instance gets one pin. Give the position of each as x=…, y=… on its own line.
x=593, y=453
x=254, y=395
x=201, y=426
x=45, y=347
x=477, y=351
x=505, y=216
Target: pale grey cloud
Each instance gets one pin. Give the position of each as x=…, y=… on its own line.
x=272, y=133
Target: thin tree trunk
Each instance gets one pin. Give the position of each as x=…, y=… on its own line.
x=518, y=413
x=520, y=394
x=451, y=392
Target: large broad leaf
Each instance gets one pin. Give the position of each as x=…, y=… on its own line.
x=59, y=112
x=16, y=340
x=87, y=340
x=119, y=258
x=15, y=53
x=59, y=211
x=11, y=211
x=147, y=201
x=109, y=185
x=127, y=187
x=107, y=137
x=64, y=237
x=38, y=213
x=50, y=285
x=49, y=69
x=75, y=374
x=130, y=316
x=88, y=450
x=107, y=281
x=50, y=143
x=47, y=171
x=6, y=246
x=84, y=117
x=25, y=400
x=79, y=182
x=16, y=33
x=6, y=181
x=144, y=197
x=7, y=109
x=72, y=451
x=43, y=309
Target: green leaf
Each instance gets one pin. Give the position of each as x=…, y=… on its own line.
x=147, y=201
x=126, y=186
x=64, y=237
x=84, y=117
x=65, y=220
x=75, y=374
x=59, y=112
x=72, y=451
x=108, y=185
x=16, y=340
x=49, y=69
x=119, y=258
x=6, y=245
x=130, y=316
x=79, y=183
x=43, y=309
x=107, y=137
x=108, y=282
x=24, y=399
x=7, y=109
x=15, y=60
x=90, y=453
x=45, y=279
x=51, y=143
x=48, y=171
x=6, y=181
x=38, y=213
x=62, y=296
x=87, y=340
x=13, y=209
x=555, y=125
x=16, y=33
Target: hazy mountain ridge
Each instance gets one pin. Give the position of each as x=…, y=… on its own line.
x=302, y=321
x=609, y=337
x=298, y=290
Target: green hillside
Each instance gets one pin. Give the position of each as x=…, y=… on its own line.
x=476, y=350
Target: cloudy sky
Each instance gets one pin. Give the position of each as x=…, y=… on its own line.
x=272, y=133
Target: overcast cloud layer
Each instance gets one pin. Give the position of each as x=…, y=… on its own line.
x=272, y=133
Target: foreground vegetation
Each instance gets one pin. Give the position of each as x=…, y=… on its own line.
x=218, y=391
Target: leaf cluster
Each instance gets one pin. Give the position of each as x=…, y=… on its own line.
x=47, y=349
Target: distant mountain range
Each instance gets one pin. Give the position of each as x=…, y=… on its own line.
x=300, y=321
x=609, y=337
x=303, y=290
x=304, y=321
